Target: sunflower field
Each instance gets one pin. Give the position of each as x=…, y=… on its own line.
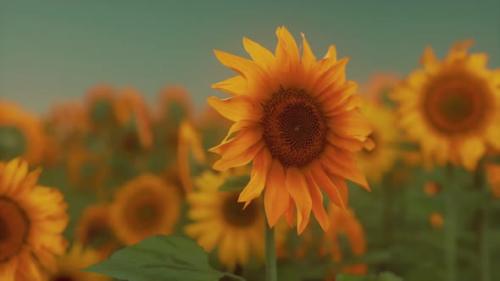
x=293, y=172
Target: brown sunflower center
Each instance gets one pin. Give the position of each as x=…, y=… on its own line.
x=63, y=277
x=235, y=215
x=145, y=212
x=457, y=103
x=294, y=127
x=14, y=228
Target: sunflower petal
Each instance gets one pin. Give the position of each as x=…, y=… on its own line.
x=235, y=86
x=317, y=207
x=336, y=192
x=262, y=56
x=236, y=108
x=258, y=177
x=297, y=188
x=276, y=198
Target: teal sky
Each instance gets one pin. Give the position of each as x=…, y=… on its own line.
x=55, y=50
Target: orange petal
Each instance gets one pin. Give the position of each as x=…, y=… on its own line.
x=351, y=124
x=239, y=160
x=308, y=57
x=317, y=206
x=236, y=108
x=262, y=56
x=244, y=67
x=258, y=177
x=336, y=192
x=297, y=188
x=343, y=165
x=237, y=145
x=276, y=199
x=236, y=85
x=287, y=49
x=351, y=145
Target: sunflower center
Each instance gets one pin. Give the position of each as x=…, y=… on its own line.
x=12, y=142
x=145, y=212
x=294, y=127
x=99, y=234
x=63, y=277
x=14, y=228
x=235, y=215
x=457, y=103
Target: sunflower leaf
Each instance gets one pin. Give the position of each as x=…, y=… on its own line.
x=235, y=184
x=160, y=258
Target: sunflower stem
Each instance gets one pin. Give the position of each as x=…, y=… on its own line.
x=271, y=267
x=450, y=227
x=483, y=231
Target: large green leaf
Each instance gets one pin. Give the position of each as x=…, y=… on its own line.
x=160, y=258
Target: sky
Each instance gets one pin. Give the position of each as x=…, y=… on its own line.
x=53, y=51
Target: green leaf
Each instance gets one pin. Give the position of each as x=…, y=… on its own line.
x=160, y=258
x=234, y=184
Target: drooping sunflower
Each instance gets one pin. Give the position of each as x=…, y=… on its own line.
x=219, y=221
x=21, y=134
x=94, y=230
x=100, y=107
x=451, y=107
x=175, y=105
x=379, y=160
x=144, y=206
x=32, y=219
x=71, y=265
x=297, y=118
x=344, y=223
x=134, y=119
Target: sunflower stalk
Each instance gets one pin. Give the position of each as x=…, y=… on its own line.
x=451, y=228
x=483, y=229
x=271, y=265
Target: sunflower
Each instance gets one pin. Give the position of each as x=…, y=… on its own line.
x=32, y=219
x=189, y=141
x=451, y=107
x=21, y=134
x=70, y=266
x=144, y=206
x=134, y=118
x=380, y=86
x=376, y=162
x=94, y=229
x=297, y=119
x=175, y=105
x=432, y=188
x=219, y=220
x=344, y=223
x=493, y=175
x=86, y=169
x=100, y=107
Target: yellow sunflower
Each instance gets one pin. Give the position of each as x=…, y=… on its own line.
x=451, y=107
x=21, y=134
x=344, y=223
x=70, y=266
x=376, y=162
x=144, y=206
x=175, y=105
x=297, y=118
x=100, y=107
x=219, y=221
x=32, y=219
x=94, y=229
x=189, y=142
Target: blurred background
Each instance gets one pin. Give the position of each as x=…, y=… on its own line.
x=56, y=50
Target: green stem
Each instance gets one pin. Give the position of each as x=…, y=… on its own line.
x=483, y=234
x=451, y=232
x=271, y=267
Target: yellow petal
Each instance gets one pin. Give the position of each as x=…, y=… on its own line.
x=276, y=197
x=258, y=176
x=236, y=108
x=262, y=56
x=297, y=188
x=236, y=85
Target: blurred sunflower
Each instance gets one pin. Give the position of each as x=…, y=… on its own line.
x=86, y=169
x=71, y=265
x=376, y=162
x=297, y=119
x=451, y=107
x=175, y=105
x=21, y=134
x=94, y=230
x=134, y=118
x=100, y=107
x=144, y=206
x=493, y=175
x=32, y=219
x=345, y=224
x=379, y=87
x=219, y=220
x=189, y=141
x=432, y=188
